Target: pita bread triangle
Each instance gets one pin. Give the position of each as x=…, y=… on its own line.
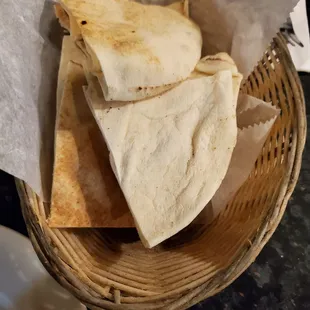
x=136, y=51
x=85, y=192
x=171, y=152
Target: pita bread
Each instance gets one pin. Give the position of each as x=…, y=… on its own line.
x=212, y=64
x=181, y=7
x=222, y=61
x=136, y=51
x=170, y=153
x=85, y=192
x=68, y=52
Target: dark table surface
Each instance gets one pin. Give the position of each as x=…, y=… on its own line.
x=280, y=276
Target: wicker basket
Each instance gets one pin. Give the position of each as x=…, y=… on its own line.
x=110, y=269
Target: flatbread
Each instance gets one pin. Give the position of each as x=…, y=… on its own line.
x=68, y=52
x=181, y=7
x=218, y=62
x=170, y=153
x=209, y=65
x=85, y=192
x=136, y=51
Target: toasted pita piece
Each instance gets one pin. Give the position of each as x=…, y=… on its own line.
x=170, y=153
x=181, y=7
x=136, y=50
x=68, y=52
x=85, y=192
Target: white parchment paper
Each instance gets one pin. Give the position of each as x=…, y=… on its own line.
x=255, y=119
x=29, y=56
x=301, y=55
x=242, y=28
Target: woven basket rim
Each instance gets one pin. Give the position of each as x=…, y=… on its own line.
x=37, y=234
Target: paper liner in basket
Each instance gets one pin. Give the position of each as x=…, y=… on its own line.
x=243, y=29
x=30, y=53
x=255, y=119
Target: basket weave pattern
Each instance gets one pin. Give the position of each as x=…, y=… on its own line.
x=107, y=272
